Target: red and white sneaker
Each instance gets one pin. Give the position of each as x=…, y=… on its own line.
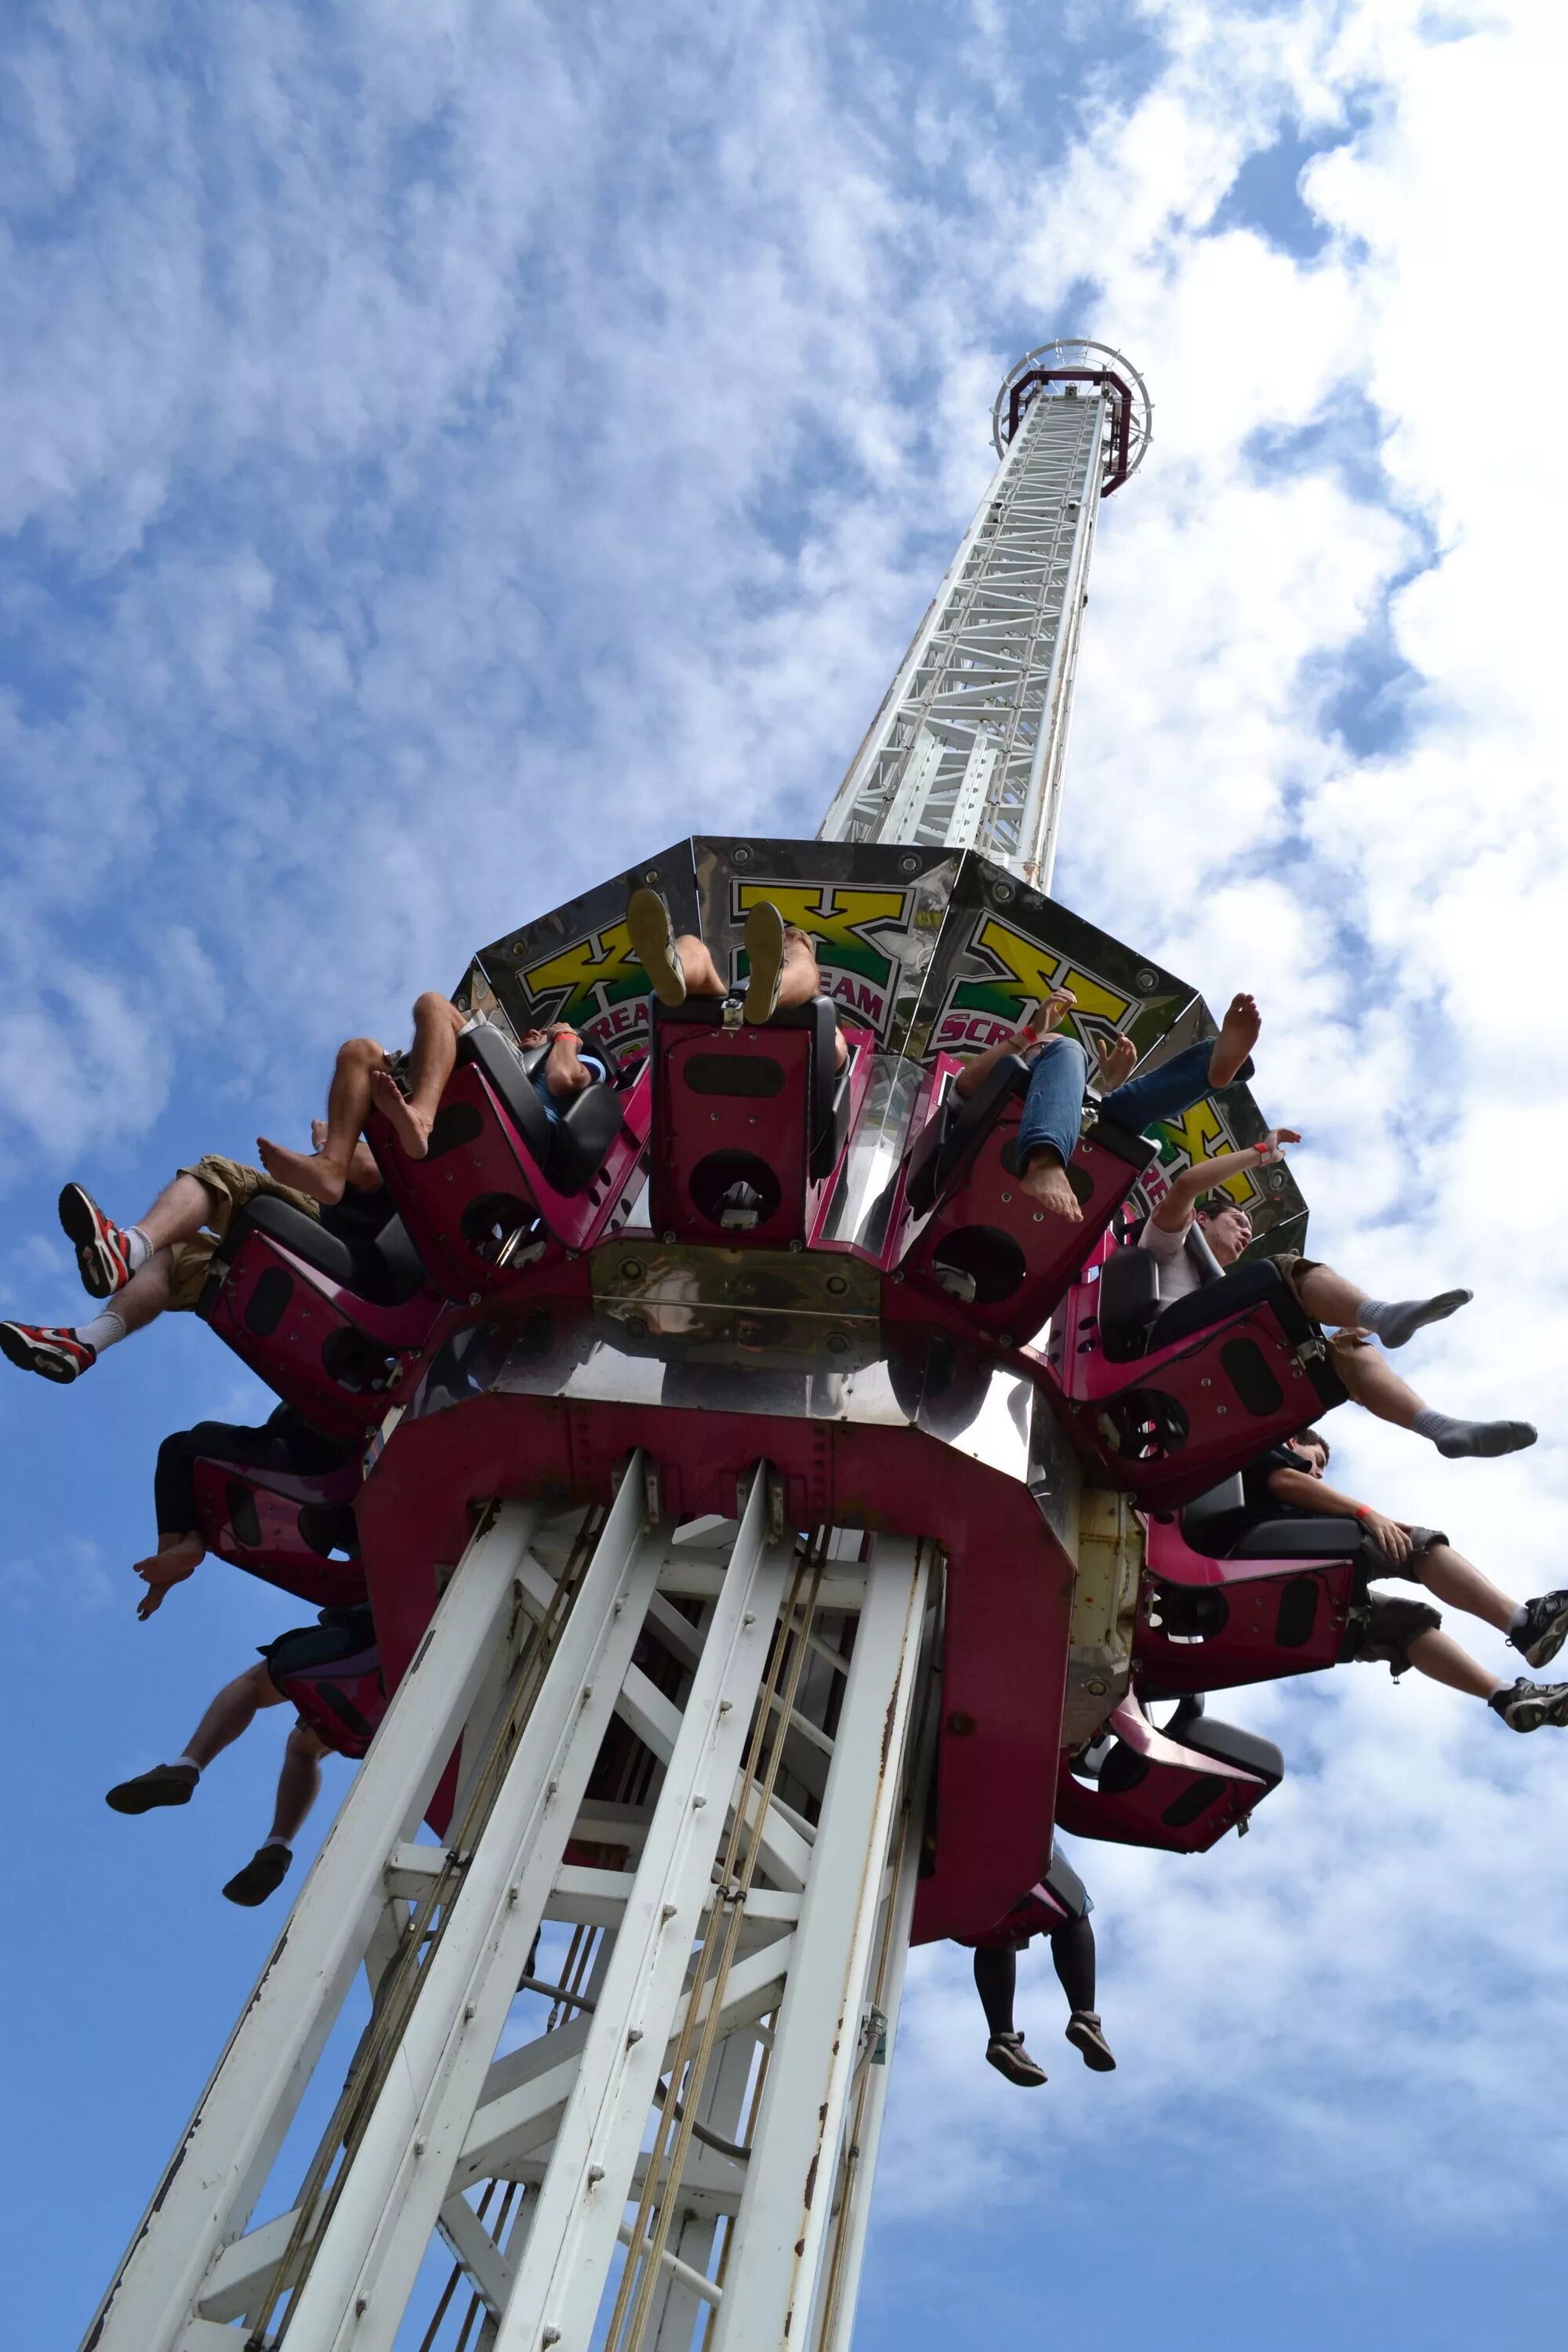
x=102, y=1248
x=54, y=1355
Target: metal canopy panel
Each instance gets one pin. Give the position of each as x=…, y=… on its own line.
x=575, y=963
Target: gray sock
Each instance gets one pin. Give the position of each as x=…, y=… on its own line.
x=1394, y=1321
x=1457, y=1438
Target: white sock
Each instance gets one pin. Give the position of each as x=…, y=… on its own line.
x=137, y=1248
x=187, y=1764
x=103, y=1331
x=1517, y=1623
x=284, y=1842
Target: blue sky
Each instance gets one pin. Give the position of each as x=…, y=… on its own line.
x=445, y=451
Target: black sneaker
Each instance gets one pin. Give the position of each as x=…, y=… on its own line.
x=263, y=1875
x=1544, y=1630
x=1083, y=2032
x=165, y=1784
x=1006, y=2052
x=1526, y=1705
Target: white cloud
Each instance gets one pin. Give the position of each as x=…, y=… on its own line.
x=447, y=457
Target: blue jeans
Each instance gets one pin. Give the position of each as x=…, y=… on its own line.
x=1053, y=1108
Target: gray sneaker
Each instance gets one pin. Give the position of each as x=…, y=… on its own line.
x=1525, y=1706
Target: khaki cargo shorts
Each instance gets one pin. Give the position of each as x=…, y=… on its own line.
x=229, y=1185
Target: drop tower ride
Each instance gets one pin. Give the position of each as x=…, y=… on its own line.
x=754, y=1537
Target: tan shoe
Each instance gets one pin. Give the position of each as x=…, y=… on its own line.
x=765, y=957
x=652, y=938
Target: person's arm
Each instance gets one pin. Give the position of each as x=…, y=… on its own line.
x=1306, y=1493
x=1175, y=1213
x=1027, y=1040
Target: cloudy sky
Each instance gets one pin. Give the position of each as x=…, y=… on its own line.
x=447, y=450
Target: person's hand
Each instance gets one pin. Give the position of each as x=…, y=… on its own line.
x=1116, y=1060
x=1391, y=1539
x=1268, y=1147
x=564, y=1029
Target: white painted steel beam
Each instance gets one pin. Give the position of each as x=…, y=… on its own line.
x=369, y=2254
x=573, y=2233
x=230, y=2144
x=779, y=2236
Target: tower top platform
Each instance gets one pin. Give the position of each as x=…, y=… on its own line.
x=1057, y=370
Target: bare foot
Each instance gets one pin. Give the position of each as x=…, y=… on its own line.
x=1045, y=1181
x=310, y=1172
x=1237, y=1035
x=170, y=1564
x=1117, y=1062
x=411, y=1126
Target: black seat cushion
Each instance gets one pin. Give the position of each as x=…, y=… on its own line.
x=1226, y=1742
x=570, y=1150
x=1222, y=1525
x=383, y=1270
x=958, y=1131
x=1297, y=1539
x=1129, y=1300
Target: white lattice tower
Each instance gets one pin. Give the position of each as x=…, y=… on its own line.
x=635, y=2104
x=968, y=749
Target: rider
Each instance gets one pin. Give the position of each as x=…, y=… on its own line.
x=1073, y=1956
x=1287, y=1483
x=340, y=1648
x=160, y=1265
x=1195, y=1236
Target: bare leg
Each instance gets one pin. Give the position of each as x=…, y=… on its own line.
x=1372, y=1380
x=1442, y=1661
x=231, y=1713
x=178, y=1214
x=437, y=1023
x=1450, y=1577
x=697, y=968
x=801, y=978
x=801, y=981
x=146, y=1295
x=299, y=1783
x=1328, y=1297
x=1237, y=1035
x=322, y=1174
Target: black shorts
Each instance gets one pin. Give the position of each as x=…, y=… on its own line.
x=336, y=1645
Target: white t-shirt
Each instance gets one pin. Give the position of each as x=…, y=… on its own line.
x=1179, y=1270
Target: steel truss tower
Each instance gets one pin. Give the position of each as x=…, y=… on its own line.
x=967, y=751
x=621, y=2060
